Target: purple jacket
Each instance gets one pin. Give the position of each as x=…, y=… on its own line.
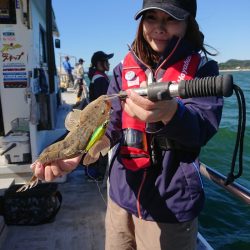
x=172, y=191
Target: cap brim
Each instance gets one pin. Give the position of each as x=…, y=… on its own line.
x=109, y=56
x=176, y=13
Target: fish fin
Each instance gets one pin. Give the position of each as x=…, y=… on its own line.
x=72, y=119
x=104, y=145
x=30, y=184
x=89, y=159
x=100, y=147
x=105, y=151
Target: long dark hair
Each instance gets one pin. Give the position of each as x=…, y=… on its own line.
x=151, y=57
x=91, y=72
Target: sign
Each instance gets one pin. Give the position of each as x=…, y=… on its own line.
x=13, y=61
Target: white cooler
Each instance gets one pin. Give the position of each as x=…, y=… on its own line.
x=18, y=144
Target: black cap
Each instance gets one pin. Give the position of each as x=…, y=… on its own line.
x=81, y=60
x=100, y=56
x=178, y=9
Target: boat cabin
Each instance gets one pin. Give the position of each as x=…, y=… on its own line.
x=29, y=85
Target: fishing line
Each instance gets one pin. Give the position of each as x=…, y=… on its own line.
x=239, y=144
x=97, y=184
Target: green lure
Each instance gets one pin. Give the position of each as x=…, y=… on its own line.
x=97, y=135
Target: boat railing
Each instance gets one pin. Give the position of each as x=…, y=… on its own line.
x=236, y=189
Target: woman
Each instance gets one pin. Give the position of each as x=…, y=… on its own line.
x=156, y=191
x=156, y=197
x=99, y=81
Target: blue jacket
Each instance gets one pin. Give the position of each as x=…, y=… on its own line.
x=67, y=67
x=173, y=191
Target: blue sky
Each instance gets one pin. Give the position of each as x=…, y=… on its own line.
x=109, y=25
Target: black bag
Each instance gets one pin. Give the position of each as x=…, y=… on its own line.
x=34, y=206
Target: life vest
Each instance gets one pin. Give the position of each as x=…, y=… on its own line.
x=134, y=151
x=97, y=74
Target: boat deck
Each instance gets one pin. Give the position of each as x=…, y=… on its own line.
x=79, y=223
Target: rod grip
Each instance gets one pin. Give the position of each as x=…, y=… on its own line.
x=221, y=85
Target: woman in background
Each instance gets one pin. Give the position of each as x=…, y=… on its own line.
x=99, y=81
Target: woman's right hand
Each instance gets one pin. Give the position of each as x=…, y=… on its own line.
x=148, y=111
x=54, y=169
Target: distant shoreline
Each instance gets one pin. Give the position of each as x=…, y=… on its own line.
x=234, y=70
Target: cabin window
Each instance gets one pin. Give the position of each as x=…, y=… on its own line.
x=7, y=12
x=42, y=46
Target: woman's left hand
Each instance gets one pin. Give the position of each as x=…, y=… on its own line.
x=54, y=169
x=143, y=109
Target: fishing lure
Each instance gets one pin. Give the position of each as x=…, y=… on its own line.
x=97, y=135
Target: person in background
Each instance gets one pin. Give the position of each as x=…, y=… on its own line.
x=156, y=191
x=68, y=70
x=80, y=79
x=74, y=73
x=99, y=81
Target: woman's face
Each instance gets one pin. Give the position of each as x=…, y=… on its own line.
x=103, y=65
x=159, y=28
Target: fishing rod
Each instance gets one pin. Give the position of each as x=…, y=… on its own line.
x=219, y=86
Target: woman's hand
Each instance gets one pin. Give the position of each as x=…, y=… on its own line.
x=54, y=169
x=142, y=108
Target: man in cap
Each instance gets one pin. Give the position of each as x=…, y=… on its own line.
x=68, y=70
x=80, y=80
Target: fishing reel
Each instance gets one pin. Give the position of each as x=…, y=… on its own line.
x=221, y=85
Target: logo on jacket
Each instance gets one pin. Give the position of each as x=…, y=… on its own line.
x=130, y=75
x=131, y=78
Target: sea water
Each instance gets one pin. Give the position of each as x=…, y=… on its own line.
x=225, y=220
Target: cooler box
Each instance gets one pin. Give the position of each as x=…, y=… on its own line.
x=18, y=144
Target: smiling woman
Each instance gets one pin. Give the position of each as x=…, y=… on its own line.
x=159, y=28
x=154, y=177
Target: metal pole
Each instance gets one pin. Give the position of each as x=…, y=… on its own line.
x=50, y=47
x=218, y=178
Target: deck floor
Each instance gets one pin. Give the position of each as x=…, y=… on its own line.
x=79, y=223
